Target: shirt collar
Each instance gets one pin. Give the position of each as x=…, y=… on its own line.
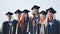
x=50, y=23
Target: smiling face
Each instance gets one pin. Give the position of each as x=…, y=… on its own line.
x=25, y=15
x=42, y=17
x=35, y=11
x=9, y=17
x=50, y=16
x=18, y=16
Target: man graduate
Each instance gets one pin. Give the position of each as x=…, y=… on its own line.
x=53, y=26
x=7, y=25
x=16, y=21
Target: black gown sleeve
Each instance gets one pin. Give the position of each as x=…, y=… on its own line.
x=3, y=29
x=58, y=28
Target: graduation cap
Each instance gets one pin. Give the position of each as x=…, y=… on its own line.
x=43, y=12
x=18, y=11
x=9, y=13
x=35, y=7
x=51, y=10
x=25, y=11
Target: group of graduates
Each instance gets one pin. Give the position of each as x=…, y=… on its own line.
x=42, y=22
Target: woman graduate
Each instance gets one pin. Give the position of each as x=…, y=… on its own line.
x=34, y=20
x=24, y=22
x=41, y=24
x=16, y=21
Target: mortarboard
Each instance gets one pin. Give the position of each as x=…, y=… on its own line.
x=35, y=7
x=25, y=11
x=9, y=13
x=51, y=10
x=43, y=12
x=18, y=11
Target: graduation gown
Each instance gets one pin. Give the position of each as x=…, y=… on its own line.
x=30, y=25
x=14, y=26
x=25, y=28
x=32, y=29
x=6, y=27
x=39, y=26
x=54, y=29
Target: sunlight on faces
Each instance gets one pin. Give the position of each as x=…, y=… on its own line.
x=42, y=17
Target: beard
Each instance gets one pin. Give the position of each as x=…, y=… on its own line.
x=50, y=19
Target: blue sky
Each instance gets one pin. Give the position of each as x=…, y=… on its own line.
x=13, y=5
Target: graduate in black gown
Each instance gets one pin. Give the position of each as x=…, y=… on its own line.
x=41, y=25
x=15, y=22
x=24, y=22
x=35, y=13
x=7, y=25
x=53, y=26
